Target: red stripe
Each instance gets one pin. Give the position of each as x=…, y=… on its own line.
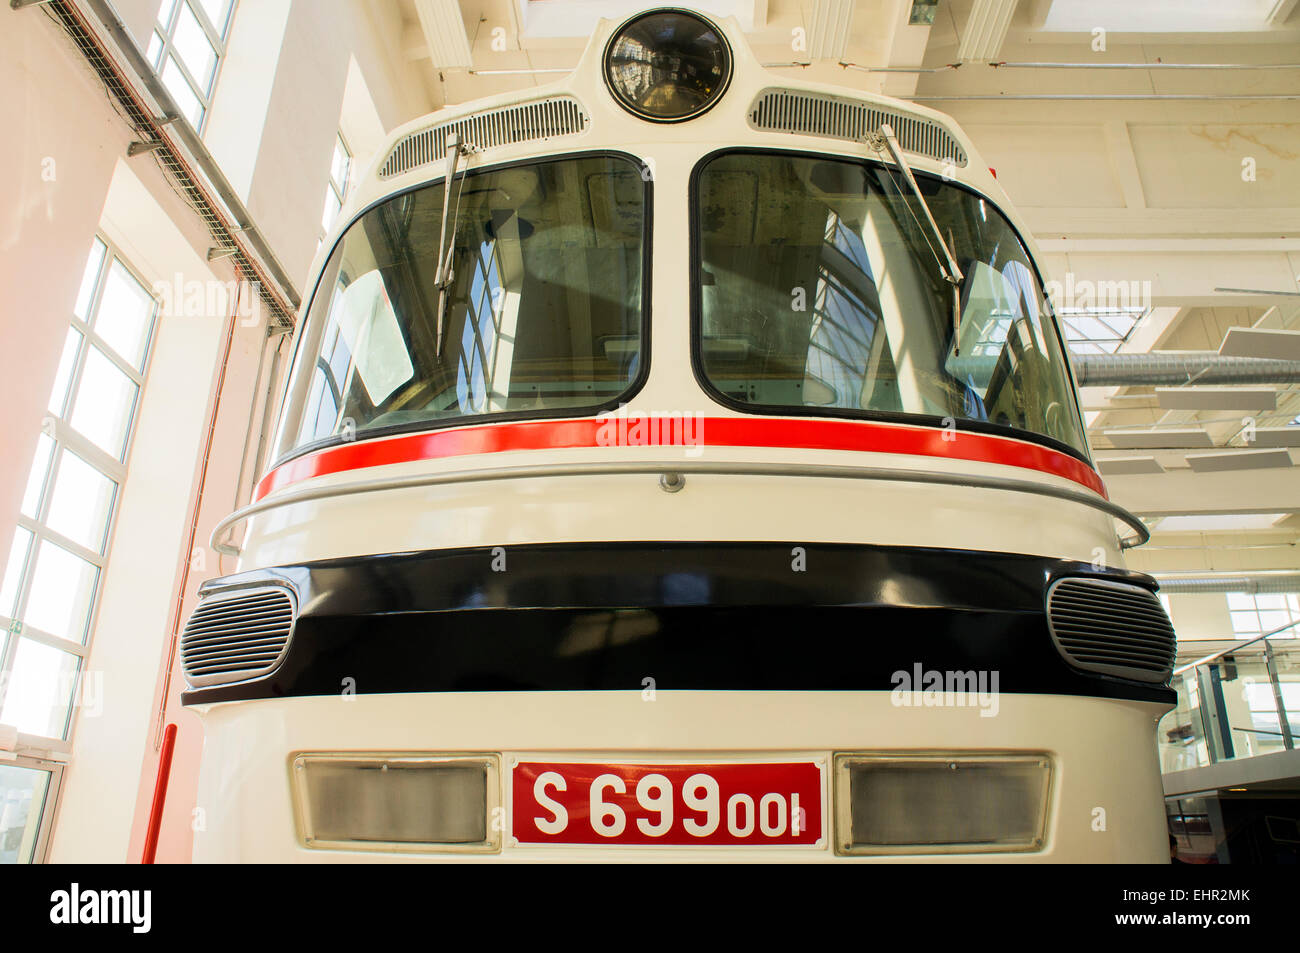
x=785, y=433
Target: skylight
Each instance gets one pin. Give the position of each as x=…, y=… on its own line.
x=1098, y=330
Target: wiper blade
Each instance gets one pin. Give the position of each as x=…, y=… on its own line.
x=948, y=266
x=444, y=275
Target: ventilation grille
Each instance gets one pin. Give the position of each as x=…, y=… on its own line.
x=834, y=117
x=236, y=636
x=557, y=116
x=1112, y=628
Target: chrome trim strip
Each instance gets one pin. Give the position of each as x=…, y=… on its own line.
x=932, y=477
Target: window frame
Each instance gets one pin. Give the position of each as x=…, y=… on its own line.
x=67, y=439
x=290, y=405
x=50, y=803
x=217, y=34
x=883, y=416
x=340, y=192
x=1257, y=612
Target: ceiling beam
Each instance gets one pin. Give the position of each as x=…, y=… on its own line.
x=444, y=32
x=1280, y=12
x=828, y=33
x=985, y=30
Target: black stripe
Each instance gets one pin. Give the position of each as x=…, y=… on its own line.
x=701, y=616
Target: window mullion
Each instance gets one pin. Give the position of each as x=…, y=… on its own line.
x=217, y=40
x=105, y=463
x=194, y=87
x=118, y=361
x=55, y=641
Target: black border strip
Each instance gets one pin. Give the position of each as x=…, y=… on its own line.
x=716, y=616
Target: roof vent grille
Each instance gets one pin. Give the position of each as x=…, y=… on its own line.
x=523, y=122
x=838, y=117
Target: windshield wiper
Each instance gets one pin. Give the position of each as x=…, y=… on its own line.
x=950, y=271
x=444, y=276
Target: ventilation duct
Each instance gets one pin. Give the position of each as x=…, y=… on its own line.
x=1174, y=368
x=1259, y=583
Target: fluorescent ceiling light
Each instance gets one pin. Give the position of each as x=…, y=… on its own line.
x=1217, y=398
x=1228, y=460
x=1261, y=342
x=1173, y=438
x=1126, y=466
x=1219, y=522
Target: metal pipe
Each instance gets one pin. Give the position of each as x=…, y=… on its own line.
x=1234, y=647
x=1255, y=583
x=159, y=796
x=445, y=478
x=1161, y=368
x=901, y=69
x=1180, y=367
x=1106, y=97
x=1209, y=66
x=520, y=72
x=187, y=555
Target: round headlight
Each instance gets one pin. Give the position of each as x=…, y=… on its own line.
x=667, y=65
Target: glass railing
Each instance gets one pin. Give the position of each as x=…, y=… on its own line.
x=1239, y=702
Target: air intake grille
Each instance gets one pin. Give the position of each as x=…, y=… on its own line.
x=835, y=117
x=236, y=636
x=557, y=116
x=1112, y=628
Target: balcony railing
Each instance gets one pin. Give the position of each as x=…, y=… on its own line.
x=1239, y=702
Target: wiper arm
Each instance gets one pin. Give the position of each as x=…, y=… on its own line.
x=950, y=271
x=444, y=276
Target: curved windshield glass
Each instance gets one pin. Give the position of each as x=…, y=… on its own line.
x=541, y=314
x=821, y=289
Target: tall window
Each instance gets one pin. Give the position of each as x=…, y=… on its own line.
x=1260, y=613
x=187, y=44
x=48, y=593
x=337, y=190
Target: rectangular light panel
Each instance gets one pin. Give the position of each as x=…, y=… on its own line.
x=1189, y=438
x=1261, y=342
x=1217, y=398
x=1229, y=460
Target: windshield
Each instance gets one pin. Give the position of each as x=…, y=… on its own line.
x=543, y=315
x=820, y=290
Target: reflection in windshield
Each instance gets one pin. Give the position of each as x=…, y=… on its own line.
x=543, y=315
x=818, y=291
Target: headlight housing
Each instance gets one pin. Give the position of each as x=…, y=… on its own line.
x=667, y=65
x=397, y=802
x=931, y=803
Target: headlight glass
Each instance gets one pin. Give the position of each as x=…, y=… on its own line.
x=937, y=804
x=396, y=802
x=667, y=65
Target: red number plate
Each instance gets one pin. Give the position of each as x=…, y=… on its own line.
x=751, y=804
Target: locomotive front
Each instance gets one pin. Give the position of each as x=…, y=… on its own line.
x=677, y=458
